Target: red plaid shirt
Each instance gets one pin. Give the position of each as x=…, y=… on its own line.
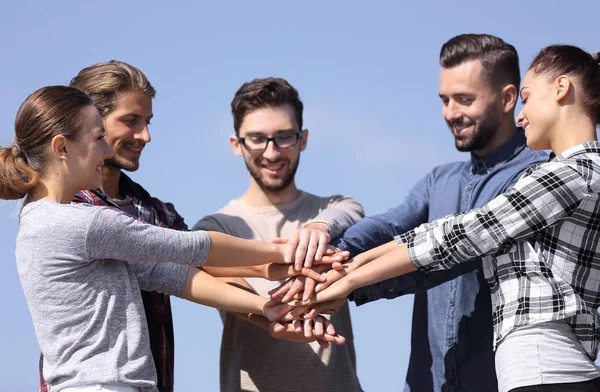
x=157, y=306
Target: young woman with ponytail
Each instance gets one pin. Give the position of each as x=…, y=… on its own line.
x=76, y=263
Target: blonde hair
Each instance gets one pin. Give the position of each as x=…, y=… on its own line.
x=103, y=81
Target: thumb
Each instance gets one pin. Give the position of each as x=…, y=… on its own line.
x=279, y=240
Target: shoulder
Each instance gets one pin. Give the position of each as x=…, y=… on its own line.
x=221, y=221
x=447, y=169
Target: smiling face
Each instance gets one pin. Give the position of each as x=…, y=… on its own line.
x=274, y=168
x=539, y=112
x=472, y=109
x=89, y=151
x=127, y=129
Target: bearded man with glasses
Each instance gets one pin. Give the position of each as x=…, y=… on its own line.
x=267, y=118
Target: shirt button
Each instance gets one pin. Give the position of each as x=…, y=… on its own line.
x=451, y=302
x=469, y=187
x=450, y=343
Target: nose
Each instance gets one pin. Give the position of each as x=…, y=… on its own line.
x=451, y=111
x=144, y=135
x=271, y=152
x=520, y=118
x=108, y=152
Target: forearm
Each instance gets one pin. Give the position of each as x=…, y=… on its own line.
x=393, y=263
x=254, y=271
x=206, y=290
x=372, y=254
x=229, y=251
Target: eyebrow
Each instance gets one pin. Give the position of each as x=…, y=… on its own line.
x=135, y=115
x=521, y=91
x=277, y=132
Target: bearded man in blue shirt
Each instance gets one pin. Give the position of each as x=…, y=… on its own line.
x=451, y=342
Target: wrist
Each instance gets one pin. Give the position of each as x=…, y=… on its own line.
x=322, y=226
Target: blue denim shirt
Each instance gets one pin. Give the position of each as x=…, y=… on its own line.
x=451, y=343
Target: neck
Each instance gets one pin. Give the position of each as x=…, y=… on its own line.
x=109, y=181
x=507, y=131
x=255, y=196
x=52, y=191
x=570, y=131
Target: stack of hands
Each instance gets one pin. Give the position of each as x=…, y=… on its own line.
x=299, y=307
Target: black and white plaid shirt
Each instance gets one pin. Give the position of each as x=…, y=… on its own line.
x=540, y=243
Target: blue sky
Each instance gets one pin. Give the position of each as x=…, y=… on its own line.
x=368, y=76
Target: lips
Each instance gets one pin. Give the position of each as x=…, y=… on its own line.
x=273, y=168
x=134, y=149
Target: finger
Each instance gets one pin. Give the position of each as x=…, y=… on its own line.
x=297, y=325
x=282, y=289
x=273, y=302
x=337, y=266
x=313, y=245
x=336, y=257
x=292, y=244
x=278, y=327
x=329, y=328
x=297, y=287
x=319, y=329
x=323, y=240
x=323, y=343
x=285, y=310
x=297, y=312
x=332, y=277
x=308, y=328
x=301, y=248
x=312, y=274
x=309, y=288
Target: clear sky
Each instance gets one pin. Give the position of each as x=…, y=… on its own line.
x=366, y=71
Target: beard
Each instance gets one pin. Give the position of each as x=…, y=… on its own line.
x=268, y=184
x=118, y=161
x=484, y=131
x=122, y=164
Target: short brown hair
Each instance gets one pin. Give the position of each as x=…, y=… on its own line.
x=261, y=93
x=103, y=81
x=499, y=59
x=46, y=113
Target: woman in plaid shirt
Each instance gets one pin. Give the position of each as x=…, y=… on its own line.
x=539, y=242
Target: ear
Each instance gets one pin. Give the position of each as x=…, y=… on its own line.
x=236, y=146
x=563, y=87
x=58, y=145
x=303, y=140
x=509, y=98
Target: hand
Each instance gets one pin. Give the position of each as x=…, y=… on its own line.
x=274, y=312
x=289, y=289
x=311, y=311
x=307, y=244
x=337, y=290
x=333, y=275
x=306, y=331
x=275, y=272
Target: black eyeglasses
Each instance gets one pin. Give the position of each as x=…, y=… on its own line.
x=260, y=143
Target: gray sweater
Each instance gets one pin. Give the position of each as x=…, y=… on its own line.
x=85, y=301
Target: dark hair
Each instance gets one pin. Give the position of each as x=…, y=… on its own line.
x=261, y=93
x=556, y=60
x=48, y=112
x=499, y=60
x=103, y=81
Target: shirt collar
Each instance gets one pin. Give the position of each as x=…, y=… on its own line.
x=127, y=187
x=503, y=153
x=583, y=148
